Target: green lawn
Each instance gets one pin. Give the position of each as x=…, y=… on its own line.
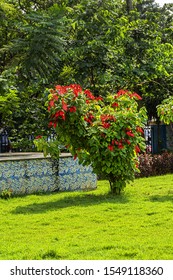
x=91, y=225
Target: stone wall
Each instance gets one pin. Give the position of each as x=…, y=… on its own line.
x=28, y=173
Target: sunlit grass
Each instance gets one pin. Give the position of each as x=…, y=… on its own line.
x=91, y=225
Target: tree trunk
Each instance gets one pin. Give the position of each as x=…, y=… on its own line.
x=116, y=190
x=129, y=5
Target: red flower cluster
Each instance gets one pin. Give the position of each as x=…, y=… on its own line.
x=75, y=156
x=64, y=105
x=75, y=88
x=54, y=124
x=64, y=89
x=129, y=132
x=89, y=118
x=72, y=109
x=106, y=125
x=137, y=149
x=99, y=98
x=115, y=104
x=89, y=94
x=122, y=92
x=128, y=141
x=134, y=94
x=61, y=114
x=106, y=119
x=139, y=129
x=55, y=117
x=38, y=137
x=111, y=148
x=119, y=144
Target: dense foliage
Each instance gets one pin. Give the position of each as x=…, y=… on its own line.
x=102, y=45
x=165, y=110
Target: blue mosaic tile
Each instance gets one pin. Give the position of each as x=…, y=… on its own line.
x=43, y=174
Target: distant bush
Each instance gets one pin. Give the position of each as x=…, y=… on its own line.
x=154, y=165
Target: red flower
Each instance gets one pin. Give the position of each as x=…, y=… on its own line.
x=103, y=118
x=60, y=114
x=139, y=129
x=115, y=104
x=64, y=106
x=52, y=91
x=120, y=145
x=51, y=103
x=137, y=96
x=110, y=147
x=107, y=118
x=120, y=92
x=129, y=133
x=75, y=88
x=38, y=137
x=99, y=98
x=72, y=109
x=75, y=156
x=128, y=142
x=89, y=94
x=67, y=146
x=89, y=118
x=50, y=124
x=61, y=89
x=55, y=97
x=137, y=149
x=106, y=125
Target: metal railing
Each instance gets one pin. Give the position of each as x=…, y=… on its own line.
x=5, y=145
x=4, y=142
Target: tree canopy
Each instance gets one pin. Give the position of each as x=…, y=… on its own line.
x=102, y=45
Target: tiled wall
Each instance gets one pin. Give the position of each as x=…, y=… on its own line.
x=44, y=175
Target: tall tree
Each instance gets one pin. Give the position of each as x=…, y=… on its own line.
x=129, y=5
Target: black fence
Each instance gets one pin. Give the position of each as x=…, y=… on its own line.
x=150, y=133
x=4, y=142
x=6, y=146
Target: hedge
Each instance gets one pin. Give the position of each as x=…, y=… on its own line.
x=154, y=165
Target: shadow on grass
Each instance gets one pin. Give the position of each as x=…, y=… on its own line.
x=160, y=198
x=70, y=201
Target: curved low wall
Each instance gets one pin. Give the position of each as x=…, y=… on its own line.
x=26, y=173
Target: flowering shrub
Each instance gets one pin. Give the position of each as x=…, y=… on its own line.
x=108, y=134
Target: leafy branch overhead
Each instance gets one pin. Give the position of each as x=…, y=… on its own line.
x=39, y=47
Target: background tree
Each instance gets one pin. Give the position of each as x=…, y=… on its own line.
x=34, y=55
